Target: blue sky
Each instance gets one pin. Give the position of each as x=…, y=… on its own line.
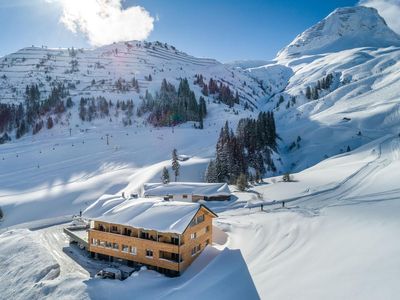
x=223, y=29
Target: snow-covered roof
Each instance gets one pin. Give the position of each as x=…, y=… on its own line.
x=147, y=213
x=186, y=188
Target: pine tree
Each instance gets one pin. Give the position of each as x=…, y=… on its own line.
x=314, y=93
x=175, y=164
x=241, y=182
x=308, y=92
x=165, y=176
x=50, y=123
x=69, y=102
x=211, y=172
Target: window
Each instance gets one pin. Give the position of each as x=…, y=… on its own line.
x=175, y=257
x=197, y=220
x=149, y=253
x=193, y=235
x=94, y=242
x=115, y=246
x=200, y=219
x=144, y=235
x=207, y=228
x=184, y=196
x=207, y=242
x=102, y=243
x=133, y=250
x=195, y=250
x=114, y=228
x=175, y=240
x=127, y=232
x=125, y=248
x=108, y=245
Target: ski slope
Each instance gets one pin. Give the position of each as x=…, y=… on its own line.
x=93, y=72
x=54, y=174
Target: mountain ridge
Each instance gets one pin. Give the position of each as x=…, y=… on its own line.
x=344, y=28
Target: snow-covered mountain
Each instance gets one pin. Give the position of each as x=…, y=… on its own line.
x=335, y=87
x=93, y=72
x=344, y=28
x=335, y=93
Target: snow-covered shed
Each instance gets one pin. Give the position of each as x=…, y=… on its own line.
x=188, y=191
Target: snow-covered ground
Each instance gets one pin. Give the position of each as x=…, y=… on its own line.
x=336, y=238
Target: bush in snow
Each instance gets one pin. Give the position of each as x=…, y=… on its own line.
x=286, y=177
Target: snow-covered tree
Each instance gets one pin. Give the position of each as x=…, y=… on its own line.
x=211, y=172
x=175, y=163
x=165, y=176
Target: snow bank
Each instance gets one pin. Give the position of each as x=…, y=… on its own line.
x=29, y=270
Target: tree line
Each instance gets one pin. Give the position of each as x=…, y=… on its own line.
x=169, y=107
x=222, y=91
x=29, y=114
x=244, y=154
x=324, y=84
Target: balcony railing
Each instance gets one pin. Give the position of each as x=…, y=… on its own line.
x=161, y=239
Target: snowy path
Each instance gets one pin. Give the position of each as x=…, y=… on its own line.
x=54, y=241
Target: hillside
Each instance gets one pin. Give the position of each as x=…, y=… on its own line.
x=93, y=72
x=331, y=232
x=349, y=94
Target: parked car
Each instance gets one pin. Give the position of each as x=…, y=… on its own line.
x=109, y=273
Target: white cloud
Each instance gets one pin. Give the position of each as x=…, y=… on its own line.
x=105, y=21
x=388, y=9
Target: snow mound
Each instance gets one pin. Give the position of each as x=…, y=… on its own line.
x=344, y=28
x=29, y=270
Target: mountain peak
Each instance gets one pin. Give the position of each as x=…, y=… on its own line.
x=344, y=28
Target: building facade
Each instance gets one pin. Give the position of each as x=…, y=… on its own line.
x=167, y=252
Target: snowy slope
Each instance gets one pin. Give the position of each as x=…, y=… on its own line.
x=77, y=69
x=337, y=236
x=360, y=105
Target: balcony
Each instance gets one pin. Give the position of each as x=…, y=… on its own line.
x=170, y=257
x=147, y=242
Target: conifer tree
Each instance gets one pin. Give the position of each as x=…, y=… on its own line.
x=50, y=123
x=241, y=182
x=165, y=176
x=175, y=164
x=211, y=172
x=308, y=92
